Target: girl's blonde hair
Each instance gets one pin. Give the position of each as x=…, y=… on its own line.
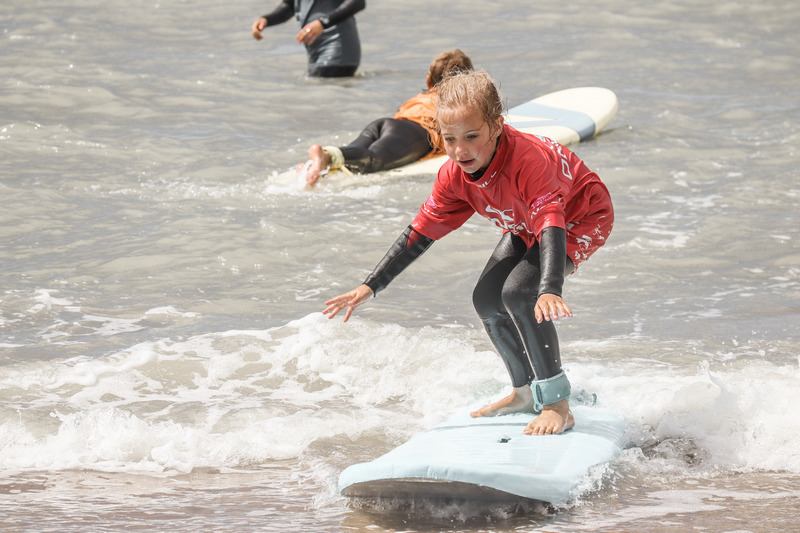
x=470, y=89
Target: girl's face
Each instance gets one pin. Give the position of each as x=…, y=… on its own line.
x=468, y=138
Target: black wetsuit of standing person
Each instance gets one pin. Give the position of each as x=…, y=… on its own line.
x=334, y=53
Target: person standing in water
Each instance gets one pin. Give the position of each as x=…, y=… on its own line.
x=554, y=213
x=388, y=143
x=327, y=30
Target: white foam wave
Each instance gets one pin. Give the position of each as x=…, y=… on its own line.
x=238, y=399
x=732, y=417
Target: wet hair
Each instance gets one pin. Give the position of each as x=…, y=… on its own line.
x=473, y=89
x=448, y=63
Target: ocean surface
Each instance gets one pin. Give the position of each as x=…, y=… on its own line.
x=164, y=365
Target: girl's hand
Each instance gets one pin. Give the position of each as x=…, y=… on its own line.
x=350, y=300
x=551, y=307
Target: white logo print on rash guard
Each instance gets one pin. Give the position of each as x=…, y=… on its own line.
x=505, y=220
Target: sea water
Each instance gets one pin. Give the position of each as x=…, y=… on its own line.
x=164, y=364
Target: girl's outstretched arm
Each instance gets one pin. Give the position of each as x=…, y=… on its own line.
x=408, y=247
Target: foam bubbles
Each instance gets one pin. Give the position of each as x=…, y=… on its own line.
x=317, y=391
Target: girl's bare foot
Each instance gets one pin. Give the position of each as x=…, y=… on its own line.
x=555, y=418
x=319, y=161
x=519, y=401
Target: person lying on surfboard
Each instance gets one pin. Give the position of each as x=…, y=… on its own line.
x=388, y=143
x=554, y=213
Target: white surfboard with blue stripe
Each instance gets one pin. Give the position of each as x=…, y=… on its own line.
x=490, y=459
x=569, y=116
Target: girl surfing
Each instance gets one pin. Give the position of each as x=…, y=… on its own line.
x=554, y=213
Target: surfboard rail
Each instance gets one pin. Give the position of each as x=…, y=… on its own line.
x=489, y=459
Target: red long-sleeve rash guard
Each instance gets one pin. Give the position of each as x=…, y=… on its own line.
x=531, y=184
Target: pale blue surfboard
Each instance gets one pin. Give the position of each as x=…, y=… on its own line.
x=489, y=459
x=568, y=117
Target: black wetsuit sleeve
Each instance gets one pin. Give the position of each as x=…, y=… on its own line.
x=408, y=247
x=346, y=9
x=552, y=260
x=280, y=14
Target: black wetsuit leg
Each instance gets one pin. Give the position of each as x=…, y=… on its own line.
x=504, y=298
x=487, y=299
x=386, y=143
